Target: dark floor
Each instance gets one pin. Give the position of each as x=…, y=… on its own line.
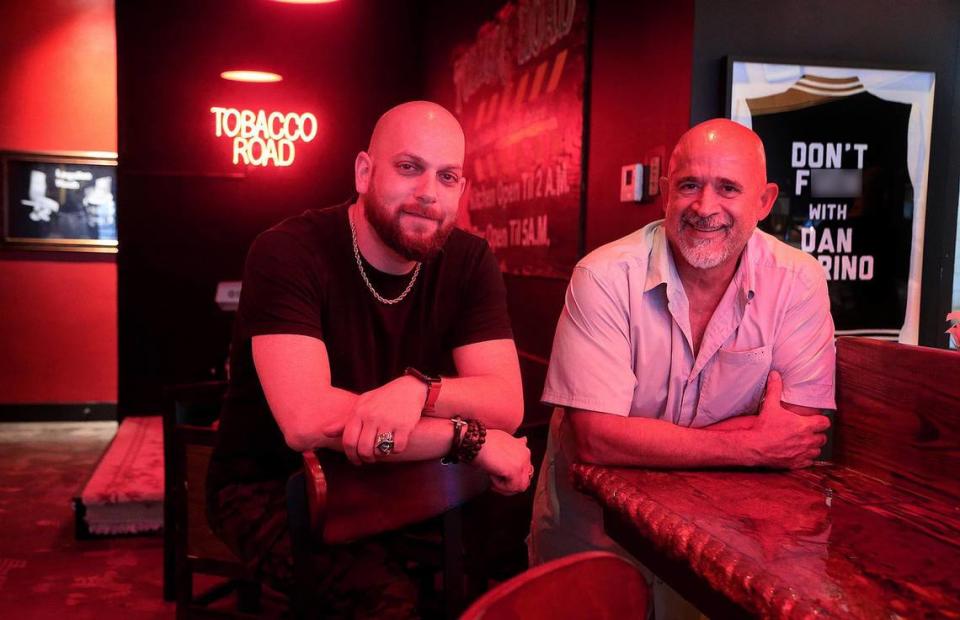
x=44, y=571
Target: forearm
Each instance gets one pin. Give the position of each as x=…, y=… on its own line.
x=492, y=399
x=431, y=438
x=607, y=439
x=747, y=421
x=736, y=423
x=294, y=373
x=316, y=422
x=487, y=386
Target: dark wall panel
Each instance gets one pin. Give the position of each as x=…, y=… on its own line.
x=923, y=35
x=191, y=213
x=639, y=94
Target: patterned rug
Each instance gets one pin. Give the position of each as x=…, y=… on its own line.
x=45, y=572
x=125, y=493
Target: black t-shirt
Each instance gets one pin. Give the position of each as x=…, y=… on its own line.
x=301, y=277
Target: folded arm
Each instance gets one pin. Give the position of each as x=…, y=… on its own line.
x=487, y=386
x=607, y=439
x=294, y=371
x=782, y=435
x=746, y=421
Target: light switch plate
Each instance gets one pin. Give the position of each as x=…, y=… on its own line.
x=631, y=183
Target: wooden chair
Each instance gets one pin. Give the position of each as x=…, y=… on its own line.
x=338, y=503
x=190, y=546
x=333, y=502
x=595, y=584
x=915, y=393
x=179, y=404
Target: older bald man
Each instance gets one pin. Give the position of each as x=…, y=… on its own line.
x=375, y=328
x=671, y=336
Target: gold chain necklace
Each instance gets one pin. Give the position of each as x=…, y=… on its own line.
x=366, y=280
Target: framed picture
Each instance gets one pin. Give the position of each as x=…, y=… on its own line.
x=849, y=148
x=59, y=201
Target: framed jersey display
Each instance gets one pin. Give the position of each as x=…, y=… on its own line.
x=59, y=202
x=849, y=149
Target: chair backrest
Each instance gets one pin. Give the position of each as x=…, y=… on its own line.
x=197, y=404
x=898, y=414
x=347, y=503
x=193, y=447
x=595, y=584
x=330, y=501
x=187, y=444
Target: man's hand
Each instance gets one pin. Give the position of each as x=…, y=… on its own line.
x=507, y=459
x=781, y=438
x=392, y=408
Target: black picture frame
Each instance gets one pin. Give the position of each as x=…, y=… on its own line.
x=59, y=201
x=828, y=105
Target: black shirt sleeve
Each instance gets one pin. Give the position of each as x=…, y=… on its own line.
x=281, y=293
x=484, y=311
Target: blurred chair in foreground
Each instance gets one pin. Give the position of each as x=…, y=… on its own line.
x=595, y=584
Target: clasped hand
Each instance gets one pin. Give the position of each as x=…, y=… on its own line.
x=507, y=459
x=781, y=438
x=394, y=407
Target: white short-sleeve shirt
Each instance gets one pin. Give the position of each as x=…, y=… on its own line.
x=623, y=346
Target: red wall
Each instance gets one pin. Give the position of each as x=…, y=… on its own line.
x=639, y=105
x=59, y=332
x=58, y=93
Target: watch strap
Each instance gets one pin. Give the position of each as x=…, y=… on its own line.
x=433, y=388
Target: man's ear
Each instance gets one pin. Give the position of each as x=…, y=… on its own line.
x=362, y=169
x=664, y=191
x=767, y=197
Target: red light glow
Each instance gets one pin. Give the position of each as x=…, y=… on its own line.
x=305, y=1
x=251, y=76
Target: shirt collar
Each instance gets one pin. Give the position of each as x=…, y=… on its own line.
x=660, y=267
x=662, y=270
x=746, y=274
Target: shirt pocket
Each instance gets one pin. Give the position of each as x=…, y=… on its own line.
x=733, y=384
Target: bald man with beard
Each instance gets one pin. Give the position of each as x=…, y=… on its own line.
x=670, y=338
x=377, y=329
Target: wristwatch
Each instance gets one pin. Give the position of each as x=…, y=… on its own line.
x=433, y=388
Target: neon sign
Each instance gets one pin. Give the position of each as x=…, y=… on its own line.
x=261, y=138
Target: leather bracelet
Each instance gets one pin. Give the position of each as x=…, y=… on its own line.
x=453, y=456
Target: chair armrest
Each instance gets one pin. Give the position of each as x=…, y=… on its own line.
x=316, y=488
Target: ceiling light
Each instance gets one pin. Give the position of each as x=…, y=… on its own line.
x=251, y=76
